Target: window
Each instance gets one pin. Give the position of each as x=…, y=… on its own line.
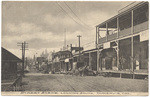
x=74, y=59
x=112, y=26
x=141, y=15
x=125, y=21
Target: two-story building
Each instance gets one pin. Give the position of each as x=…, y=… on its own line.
x=124, y=40
x=61, y=61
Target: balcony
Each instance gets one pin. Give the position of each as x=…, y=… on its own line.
x=102, y=40
x=125, y=32
x=112, y=37
x=140, y=27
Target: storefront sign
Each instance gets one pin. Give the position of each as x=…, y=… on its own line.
x=106, y=45
x=144, y=35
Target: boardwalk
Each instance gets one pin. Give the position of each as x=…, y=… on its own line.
x=60, y=82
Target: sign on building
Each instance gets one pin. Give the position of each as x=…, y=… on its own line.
x=106, y=45
x=144, y=35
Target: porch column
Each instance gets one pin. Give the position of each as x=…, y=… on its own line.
x=132, y=41
x=100, y=58
x=117, y=43
x=106, y=32
x=65, y=66
x=97, y=29
x=90, y=59
x=96, y=38
x=60, y=65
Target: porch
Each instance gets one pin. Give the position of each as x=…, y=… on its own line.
x=136, y=74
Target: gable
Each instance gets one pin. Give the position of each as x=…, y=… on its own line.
x=8, y=56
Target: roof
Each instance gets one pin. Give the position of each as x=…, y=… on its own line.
x=63, y=52
x=40, y=59
x=90, y=50
x=76, y=48
x=8, y=56
x=123, y=12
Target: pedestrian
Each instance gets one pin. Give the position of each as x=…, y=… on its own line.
x=137, y=63
x=122, y=61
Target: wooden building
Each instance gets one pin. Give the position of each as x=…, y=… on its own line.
x=90, y=57
x=9, y=64
x=124, y=40
x=40, y=61
x=61, y=61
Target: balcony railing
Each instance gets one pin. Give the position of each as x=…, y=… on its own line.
x=125, y=32
x=102, y=40
x=112, y=37
x=140, y=27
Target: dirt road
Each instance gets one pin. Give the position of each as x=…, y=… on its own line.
x=60, y=82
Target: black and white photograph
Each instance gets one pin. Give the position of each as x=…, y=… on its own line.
x=75, y=48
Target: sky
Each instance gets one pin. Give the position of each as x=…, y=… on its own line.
x=43, y=24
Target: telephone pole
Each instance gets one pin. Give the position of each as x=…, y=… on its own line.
x=26, y=62
x=79, y=36
x=64, y=48
x=23, y=48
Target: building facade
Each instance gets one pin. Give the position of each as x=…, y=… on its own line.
x=9, y=64
x=61, y=61
x=124, y=40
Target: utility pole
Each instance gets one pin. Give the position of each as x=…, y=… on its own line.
x=22, y=58
x=23, y=48
x=26, y=62
x=79, y=36
x=65, y=40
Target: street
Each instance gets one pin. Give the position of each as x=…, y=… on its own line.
x=61, y=82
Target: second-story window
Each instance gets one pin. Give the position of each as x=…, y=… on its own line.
x=112, y=26
x=125, y=21
x=141, y=14
x=102, y=30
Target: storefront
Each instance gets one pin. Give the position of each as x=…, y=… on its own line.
x=108, y=58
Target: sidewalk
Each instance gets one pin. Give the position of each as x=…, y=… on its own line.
x=136, y=74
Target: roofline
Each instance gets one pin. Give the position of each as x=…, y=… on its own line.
x=90, y=50
x=12, y=60
x=62, y=51
x=85, y=51
x=11, y=53
x=132, y=8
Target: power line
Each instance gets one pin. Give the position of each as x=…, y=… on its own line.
x=69, y=15
x=126, y=6
x=88, y=43
x=76, y=14
x=87, y=46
